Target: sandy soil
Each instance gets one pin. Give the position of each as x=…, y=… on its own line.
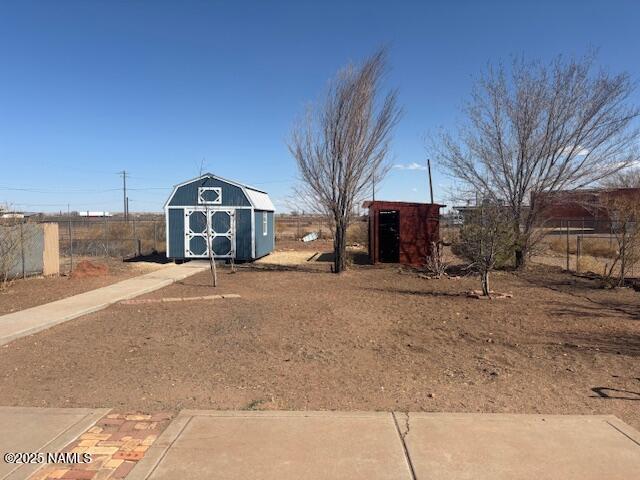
x=290, y=245
x=370, y=339
x=34, y=291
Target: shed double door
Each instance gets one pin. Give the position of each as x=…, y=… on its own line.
x=216, y=225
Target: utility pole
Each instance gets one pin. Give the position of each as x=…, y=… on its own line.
x=430, y=181
x=124, y=195
x=70, y=238
x=373, y=186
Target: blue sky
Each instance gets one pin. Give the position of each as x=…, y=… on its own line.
x=90, y=88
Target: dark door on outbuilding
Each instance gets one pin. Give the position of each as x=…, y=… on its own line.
x=389, y=236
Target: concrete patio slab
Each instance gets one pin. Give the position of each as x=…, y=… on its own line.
x=24, y=429
x=493, y=446
x=203, y=444
x=32, y=320
x=276, y=445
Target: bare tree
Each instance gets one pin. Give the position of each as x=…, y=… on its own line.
x=10, y=246
x=486, y=241
x=210, y=253
x=628, y=178
x=621, y=202
x=341, y=145
x=538, y=130
x=623, y=210
x=209, y=238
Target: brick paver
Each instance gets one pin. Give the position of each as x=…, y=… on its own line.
x=116, y=442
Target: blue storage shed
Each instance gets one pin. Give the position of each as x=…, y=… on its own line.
x=240, y=220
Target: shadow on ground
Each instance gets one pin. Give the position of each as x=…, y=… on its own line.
x=357, y=258
x=607, y=393
x=153, y=257
x=400, y=291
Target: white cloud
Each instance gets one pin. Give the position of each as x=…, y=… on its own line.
x=580, y=150
x=410, y=166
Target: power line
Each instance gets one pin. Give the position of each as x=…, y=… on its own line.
x=53, y=204
x=38, y=190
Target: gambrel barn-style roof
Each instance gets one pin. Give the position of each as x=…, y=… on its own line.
x=259, y=199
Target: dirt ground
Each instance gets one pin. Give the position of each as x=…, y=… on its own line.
x=370, y=339
x=291, y=245
x=34, y=291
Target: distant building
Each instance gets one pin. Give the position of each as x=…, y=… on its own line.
x=9, y=214
x=95, y=214
x=462, y=213
x=584, y=208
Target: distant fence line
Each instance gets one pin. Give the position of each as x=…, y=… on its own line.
x=108, y=237
x=581, y=245
x=292, y=226
x=588, y=245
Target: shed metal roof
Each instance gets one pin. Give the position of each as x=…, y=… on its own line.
x=259, y=200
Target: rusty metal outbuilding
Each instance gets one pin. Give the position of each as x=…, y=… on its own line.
x=402, y=232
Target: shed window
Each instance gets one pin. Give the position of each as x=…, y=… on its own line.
x=265, y=224
x=209, y=195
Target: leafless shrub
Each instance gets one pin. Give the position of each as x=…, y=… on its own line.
x=435, y=263
x=14, y=239
x=486, y=241
x=624, y=212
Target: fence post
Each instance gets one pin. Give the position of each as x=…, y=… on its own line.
x=24, y=273
x=155, y=236
x=624, y=254
x=135, y=235
x=70, y=246
x=578, y=252
x=106, y=236
x=568, y=266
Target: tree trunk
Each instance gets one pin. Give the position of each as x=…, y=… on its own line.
x=519, y=258
x=518, y=250
x=212, y=261
x=485, y=283
x=340, y=248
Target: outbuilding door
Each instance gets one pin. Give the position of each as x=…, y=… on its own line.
x=389, y=236
x=221, y=223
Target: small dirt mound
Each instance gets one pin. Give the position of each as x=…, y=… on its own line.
x=88, y=269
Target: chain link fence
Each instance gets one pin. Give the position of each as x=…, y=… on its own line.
x=606, y=248
x=108, y=237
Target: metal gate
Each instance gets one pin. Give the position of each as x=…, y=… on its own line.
x=221, y=223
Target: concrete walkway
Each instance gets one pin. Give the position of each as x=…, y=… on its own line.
x=32, y=320
x=320, y=445
x=352, y=445
x=40, y=430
